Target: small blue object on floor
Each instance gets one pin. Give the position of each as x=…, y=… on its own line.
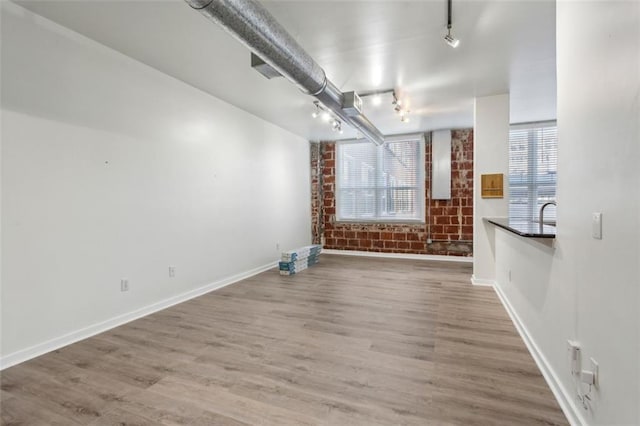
x=298, y=260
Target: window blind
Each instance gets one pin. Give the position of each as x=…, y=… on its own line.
x=380, y=183
x=533, y=161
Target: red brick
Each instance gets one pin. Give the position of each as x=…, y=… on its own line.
x=399, y=236
x=403, y=245
x=389, y=244
x=365, y=243
x=354, y=243
x=442, y=220
x=452, y=211
x=350, y=234
x=455, y=220
x=378, y=243
x=467, y=211
x=413, y=236
x=362, y=235
x=386, y=235
x=341, y=242
x=374, y=235
x=417, y=245
x=452, y=229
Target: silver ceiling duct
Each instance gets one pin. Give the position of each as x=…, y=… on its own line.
x=254, y=26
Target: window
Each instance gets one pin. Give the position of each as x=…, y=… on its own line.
x=380, y=183
x=533, y=159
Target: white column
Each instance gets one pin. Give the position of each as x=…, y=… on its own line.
x=490, y=155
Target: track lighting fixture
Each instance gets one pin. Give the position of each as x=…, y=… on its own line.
x=451, y=40
x=399, y=107
x=402, y=112
x=325, y=114
x=316, y=113
x=336, y=125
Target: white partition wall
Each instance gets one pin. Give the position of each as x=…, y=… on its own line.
x=490, y=155
x=583, y=288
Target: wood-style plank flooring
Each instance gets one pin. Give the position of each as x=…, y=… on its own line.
x=351, y=341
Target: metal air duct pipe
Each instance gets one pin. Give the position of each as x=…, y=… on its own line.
x=253, y=25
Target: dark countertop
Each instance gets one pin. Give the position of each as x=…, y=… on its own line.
x=523, y=228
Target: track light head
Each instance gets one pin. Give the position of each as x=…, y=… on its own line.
x=451, y=41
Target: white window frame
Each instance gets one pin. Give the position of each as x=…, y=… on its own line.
x=421, y=185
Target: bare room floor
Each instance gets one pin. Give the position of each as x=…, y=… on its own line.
x=351, y=341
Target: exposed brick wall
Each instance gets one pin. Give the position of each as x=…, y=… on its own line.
x=316, y=194
x=449, y=223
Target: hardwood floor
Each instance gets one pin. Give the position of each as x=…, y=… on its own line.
x=351, y=341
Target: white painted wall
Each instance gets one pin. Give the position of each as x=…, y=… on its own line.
x=112, y=169
x=490, y=155
x=582, y=288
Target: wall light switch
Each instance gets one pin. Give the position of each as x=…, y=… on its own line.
x=596, y=226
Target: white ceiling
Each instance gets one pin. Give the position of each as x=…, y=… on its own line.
x=506, y=46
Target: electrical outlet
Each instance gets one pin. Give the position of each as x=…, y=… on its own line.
x=124, y=284
x=172, y=271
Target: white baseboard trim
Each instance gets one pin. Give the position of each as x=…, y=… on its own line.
x=482, y=282
x=84, y=333
x=441, y=258
x=565, y=399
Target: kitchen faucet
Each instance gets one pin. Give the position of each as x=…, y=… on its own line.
x=541, y=217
